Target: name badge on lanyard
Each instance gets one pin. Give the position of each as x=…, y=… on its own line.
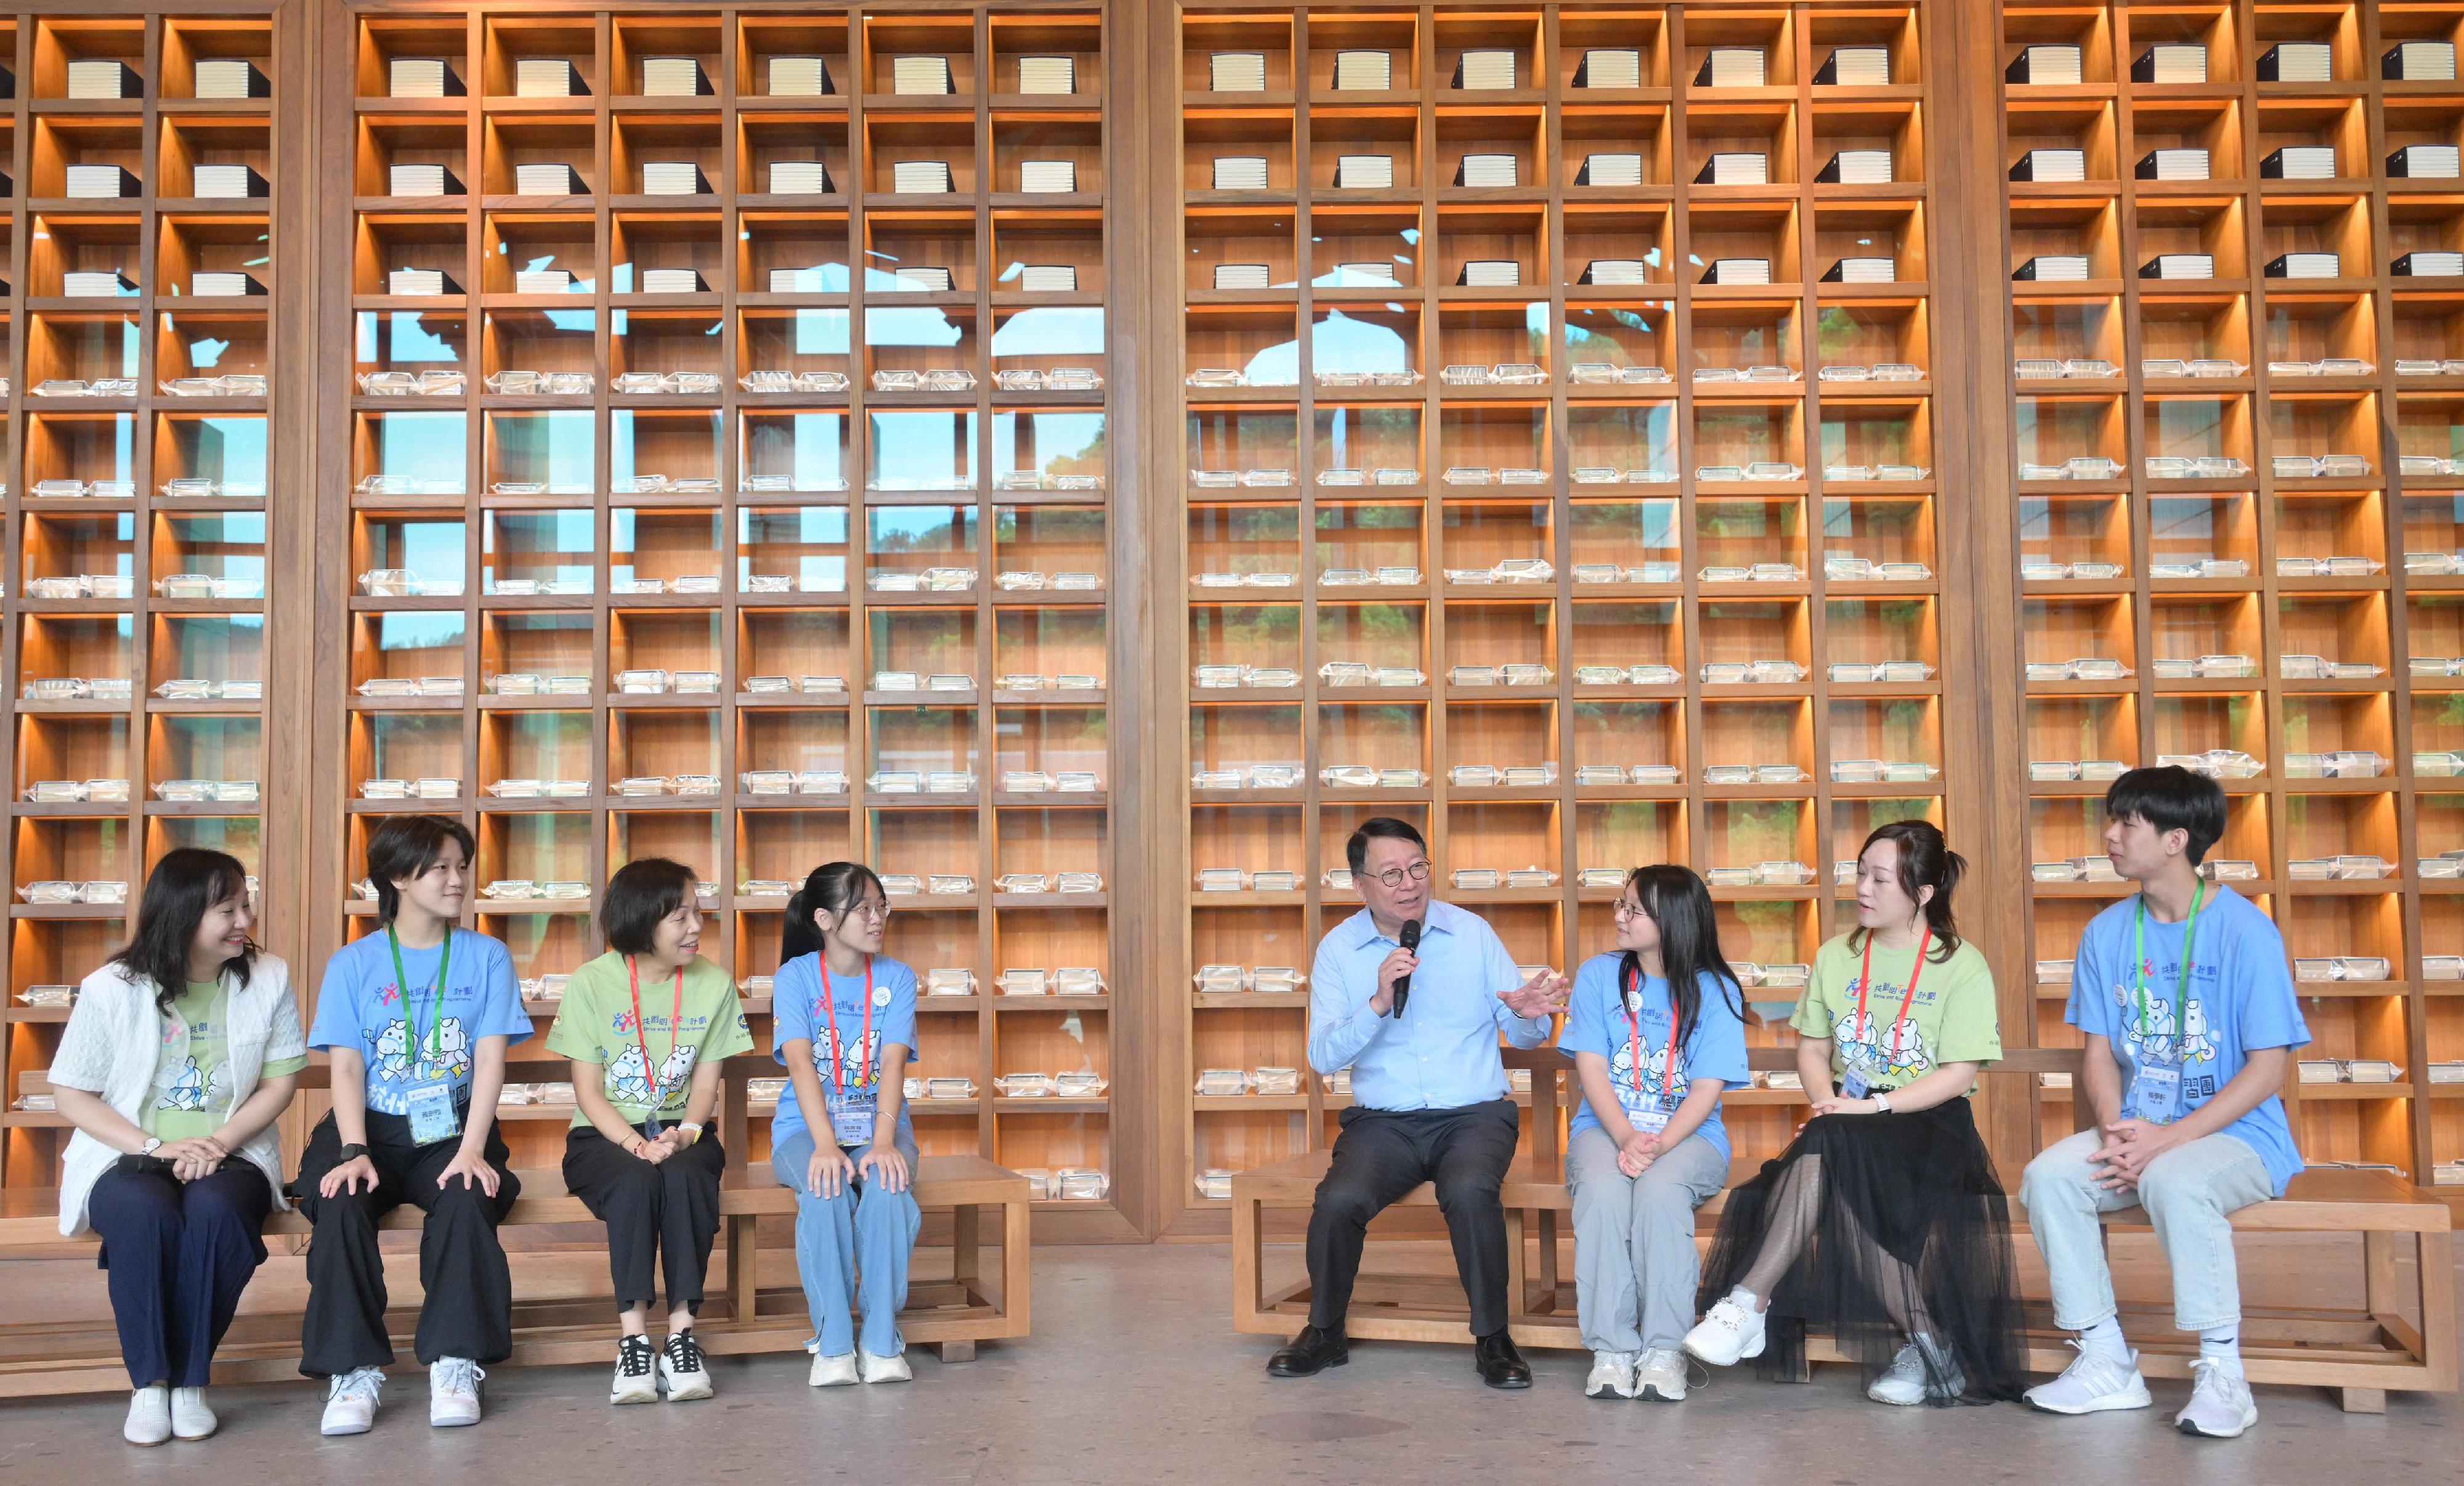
x=1645, y=1109
x=436, y=1114
x=853, y=1107
x=2156, y=1085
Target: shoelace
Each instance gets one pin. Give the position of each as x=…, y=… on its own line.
x=633, y=1358
x=684, y=1353
x=458, y=1374
x=365, y=1383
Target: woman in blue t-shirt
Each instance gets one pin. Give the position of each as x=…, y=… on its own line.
x=845, y=1025
x=1656, y=1032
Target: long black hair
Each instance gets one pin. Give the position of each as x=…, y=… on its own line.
x=1679, y=905
x=832, y=888
x=182, y=887
x=1926, y=861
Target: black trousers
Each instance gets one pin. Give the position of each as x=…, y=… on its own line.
x=469, y=1305
x=179, y=1254
x=1383, y=1154
x=663, y=1215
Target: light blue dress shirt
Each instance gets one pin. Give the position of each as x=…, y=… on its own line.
x=1441, y=1052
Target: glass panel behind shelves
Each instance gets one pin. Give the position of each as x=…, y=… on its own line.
x=807, y=450
x=796, y=340
x=430, y=547
x=805, y=544
x=1059, y=442
x=409, y=342
x=208, y=747
x=1620, y=335
x=922, y=450
x=423, y=447
x=217, y=647
x=1363, y=340
x=208, y=346
x=1043, y=337
x=552, y=449
x=104, y=346
x=543, y=546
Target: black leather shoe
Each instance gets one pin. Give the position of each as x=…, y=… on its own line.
x=1500, y=1366
x=1313, y=1351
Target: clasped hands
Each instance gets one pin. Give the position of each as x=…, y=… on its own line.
x=656, y=1149
x=2129, y=1146
x=198, y=1156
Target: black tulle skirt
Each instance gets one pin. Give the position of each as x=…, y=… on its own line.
x=1908, y=1219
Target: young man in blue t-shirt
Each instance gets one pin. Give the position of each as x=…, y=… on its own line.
x=2188, y=1006
x=417, y=1016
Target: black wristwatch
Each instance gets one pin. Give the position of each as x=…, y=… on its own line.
x=350, y=1153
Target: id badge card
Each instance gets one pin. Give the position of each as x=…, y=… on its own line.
x=851, y=1117
x=433, y=1116
x=1853, y=1084
x=1641, y=1111
x=2156, y=1093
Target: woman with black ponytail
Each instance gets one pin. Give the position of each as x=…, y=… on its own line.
x=1656, y=1031
x=845, y=1025
x=1884, y=1226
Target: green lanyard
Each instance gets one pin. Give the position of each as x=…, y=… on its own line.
x=402, y=984
x=2139, y=958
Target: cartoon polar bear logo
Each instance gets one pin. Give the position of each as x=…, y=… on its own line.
x=182, y=1086
x=1907, y=1052
x=2196, y=1045
x=1857, y=1041
x=398, y=1058
x=628, y=1079
x=856, y=1058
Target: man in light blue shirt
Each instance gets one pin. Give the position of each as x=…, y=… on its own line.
x=1432, y=1100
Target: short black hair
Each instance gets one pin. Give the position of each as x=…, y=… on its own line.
x=1355, y=850
x=406, y=846
x=639, y=896
x=2171, y=798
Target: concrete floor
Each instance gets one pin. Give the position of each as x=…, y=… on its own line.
x=1133, y=1375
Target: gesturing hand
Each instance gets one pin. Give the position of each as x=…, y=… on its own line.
x=1544, y=995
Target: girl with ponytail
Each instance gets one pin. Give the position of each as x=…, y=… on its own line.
x=1884, y=1226
x=842, y=1140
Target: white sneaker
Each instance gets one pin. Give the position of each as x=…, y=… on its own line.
x=2091, y=1384
x=1612, y=1376
x=636, y=1380
x=893, y=1369
x=1908, y=1381
x=453, y=1392
x=351, y=1401
x=149, y=1416
x=834, y=1372
x=1660, y=1376
x=190, y=1418
x=2220, y=1405
x=682, y=1362
x=1730, y=1332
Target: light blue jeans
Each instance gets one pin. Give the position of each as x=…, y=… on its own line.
x=2188, y=1194
x=852, y=1252
x=1636, y=1267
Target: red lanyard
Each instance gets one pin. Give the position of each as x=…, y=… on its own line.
x=1907, y=997
x=1634, y=1035
x=676, y=1026
x=831, y=1009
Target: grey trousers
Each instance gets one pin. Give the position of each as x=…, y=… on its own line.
x=1636, y=1267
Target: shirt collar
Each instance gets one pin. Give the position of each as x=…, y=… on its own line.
x=1439, y=918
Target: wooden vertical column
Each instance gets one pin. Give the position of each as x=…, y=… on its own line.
x=1985, y=766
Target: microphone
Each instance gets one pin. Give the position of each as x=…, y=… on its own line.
x=1403, y=984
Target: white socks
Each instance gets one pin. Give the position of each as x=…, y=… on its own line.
x=2104, y=1339
x=2222, y=1345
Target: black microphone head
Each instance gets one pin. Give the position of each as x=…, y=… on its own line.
x=1412, y=935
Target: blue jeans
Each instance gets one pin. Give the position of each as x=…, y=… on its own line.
x=852, y=1252
x=2190, y=1193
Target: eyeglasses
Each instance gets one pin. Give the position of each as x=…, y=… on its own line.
x=1393, y=877
x=1627, y=908
x=877, y=913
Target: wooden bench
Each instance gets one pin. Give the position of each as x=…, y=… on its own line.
x=2357, y=1353
x=738, y=1316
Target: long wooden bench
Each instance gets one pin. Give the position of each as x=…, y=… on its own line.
x=2359, y=1355
x=738, y=1315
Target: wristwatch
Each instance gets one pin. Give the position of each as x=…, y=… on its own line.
x=153, y=1143
x=692, y=1130
x=1882, y=1101
x=349, y=1153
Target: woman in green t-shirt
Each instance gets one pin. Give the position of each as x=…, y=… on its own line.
x=646, y=1025
x=1884, y=1225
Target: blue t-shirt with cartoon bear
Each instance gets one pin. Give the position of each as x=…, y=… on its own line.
x=359, y=1006
x=2240, y=997
x=1597, y=1021
x=797, y=1011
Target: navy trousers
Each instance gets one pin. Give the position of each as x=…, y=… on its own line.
x=179, y=1254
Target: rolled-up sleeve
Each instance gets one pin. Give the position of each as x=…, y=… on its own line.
x=1340, y=1023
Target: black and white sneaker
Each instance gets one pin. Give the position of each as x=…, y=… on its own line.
x=637, y=1380
x=685, y=1367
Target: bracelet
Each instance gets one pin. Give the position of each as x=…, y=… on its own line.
x=693, y=1130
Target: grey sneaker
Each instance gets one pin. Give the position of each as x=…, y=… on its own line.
x=1660, y=1376
x=1612, y=1376
x=351, y=1402
x=2220, y=1406
x=453, y=1391
x=2092, y=1384
x=1908, y=1381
